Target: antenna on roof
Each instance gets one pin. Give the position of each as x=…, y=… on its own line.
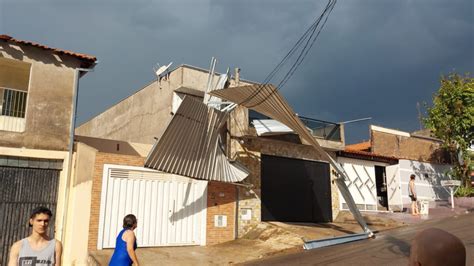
x=161, y=71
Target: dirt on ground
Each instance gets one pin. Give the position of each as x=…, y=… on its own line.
x=263, y=240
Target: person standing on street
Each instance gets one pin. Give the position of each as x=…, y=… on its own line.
x=38, y=249
x=412, y=194
x=126, y=243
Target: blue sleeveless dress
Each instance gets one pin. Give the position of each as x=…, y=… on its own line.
x=120, y=256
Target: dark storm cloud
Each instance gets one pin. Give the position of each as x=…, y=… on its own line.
x=373, y=58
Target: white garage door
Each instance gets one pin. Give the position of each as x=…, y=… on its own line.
x=171, y=209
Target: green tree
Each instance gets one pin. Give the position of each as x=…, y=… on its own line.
x=451, y=119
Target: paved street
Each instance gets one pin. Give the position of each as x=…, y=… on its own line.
x=389, y=248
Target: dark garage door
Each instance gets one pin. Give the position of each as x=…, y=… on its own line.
x=295, y=190
x=21, y=190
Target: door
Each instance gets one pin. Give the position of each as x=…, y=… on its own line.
x=171, y=209
x=295, y=190
x=22, y=190
x=381, y=187
x=393, y=188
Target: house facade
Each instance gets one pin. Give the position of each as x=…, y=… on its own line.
x=232, y=208
x=367, y=173
x=379, y=169
x=109, y=181
x=37, y=89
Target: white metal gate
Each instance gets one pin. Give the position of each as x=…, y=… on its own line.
x=361, y=183
x=171, y=209
x=393, y=188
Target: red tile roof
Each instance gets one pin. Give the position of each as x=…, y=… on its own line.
x=87, y=59
x=364, y=155
x=359, y=146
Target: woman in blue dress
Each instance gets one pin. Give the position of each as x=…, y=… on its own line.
x=126, y=243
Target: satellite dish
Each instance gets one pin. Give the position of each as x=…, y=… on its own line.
x=160, y=70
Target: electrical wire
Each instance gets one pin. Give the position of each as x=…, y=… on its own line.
x=304, y=43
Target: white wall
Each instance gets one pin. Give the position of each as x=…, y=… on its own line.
x=427, y=182
x=362, y=182
x=170, y=209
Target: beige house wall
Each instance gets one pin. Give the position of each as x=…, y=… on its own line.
x=50, y=86
x=49, y=98
x=144, y=115
x=79, y=206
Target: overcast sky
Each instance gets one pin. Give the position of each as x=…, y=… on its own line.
x=374, y=58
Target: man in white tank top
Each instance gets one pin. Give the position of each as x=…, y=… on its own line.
x=38, y=249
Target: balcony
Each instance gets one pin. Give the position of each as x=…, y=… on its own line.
x=328, y=134
x=322, y=129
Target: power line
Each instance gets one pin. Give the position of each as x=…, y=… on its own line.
x=308, y=38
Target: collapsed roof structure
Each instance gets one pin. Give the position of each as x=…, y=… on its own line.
x=195, y=159
x=191, y=145
x=266, y=100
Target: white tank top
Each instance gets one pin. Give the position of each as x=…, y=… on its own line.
x=31, y=257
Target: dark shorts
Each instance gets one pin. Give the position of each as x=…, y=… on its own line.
x=413, y=198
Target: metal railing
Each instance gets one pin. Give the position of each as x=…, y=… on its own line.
x=318, y=128
x=13, y=102
x=322, y=129
x=12, y=110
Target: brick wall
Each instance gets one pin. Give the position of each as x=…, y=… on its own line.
x=220, y=201
x=249, y=198
x=100, y=160
x=411, y=148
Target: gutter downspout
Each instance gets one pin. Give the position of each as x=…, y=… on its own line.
x=71, y=147
x=237, y=189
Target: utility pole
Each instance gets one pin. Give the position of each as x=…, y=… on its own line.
x=419, y=115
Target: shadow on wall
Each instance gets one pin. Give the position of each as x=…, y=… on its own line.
x=246, y=158
x=33, y=53
x=433, y=177
x=441, y=156
x=189, y=209
x=252, y=162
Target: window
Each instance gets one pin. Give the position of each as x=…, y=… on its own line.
x=13, y=102
x=14, y=83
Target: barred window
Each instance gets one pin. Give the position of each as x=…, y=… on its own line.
x=13, y=102
x=14, y=85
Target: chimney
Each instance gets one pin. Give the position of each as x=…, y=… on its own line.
x=237, y=76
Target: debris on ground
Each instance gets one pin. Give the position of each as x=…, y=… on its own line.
x=262, y=240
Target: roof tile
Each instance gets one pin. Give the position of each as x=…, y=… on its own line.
x=88, y=59
x=359, y=146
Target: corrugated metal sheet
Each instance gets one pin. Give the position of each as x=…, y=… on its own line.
x=212, y=100
x=190, y=145
x=266, y=100
x=190, y=91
